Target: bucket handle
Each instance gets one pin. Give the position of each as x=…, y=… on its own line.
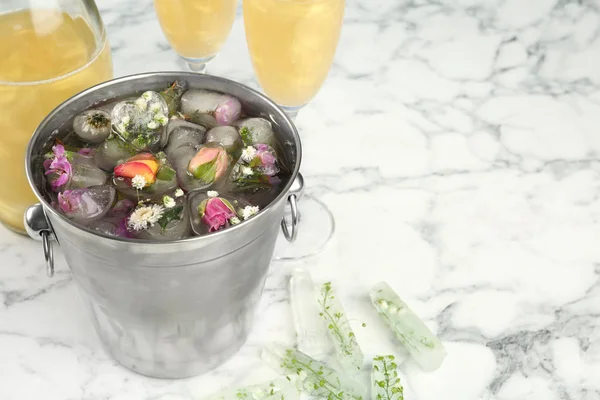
x=38, y=227
x=290, y=231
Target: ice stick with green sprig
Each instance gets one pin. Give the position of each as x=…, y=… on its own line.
x=422, y=345
x=311, y=334
x=314, y=377
x=278, y=389
x=344, y=341
x=385, y=383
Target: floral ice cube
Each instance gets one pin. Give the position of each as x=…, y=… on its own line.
x=161, y=221
x=211, y=212
x=87, y=204
x=316, y=378
x=256, y=170
x=145, y=177
x=92, y=126
x=142, y=122
x=223, y=108
x=424, y=347
x=199, y=168
x=69, y=170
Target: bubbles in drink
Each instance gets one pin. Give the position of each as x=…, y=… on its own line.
x=165, y=165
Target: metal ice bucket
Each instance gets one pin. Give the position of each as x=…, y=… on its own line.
x=167, y=309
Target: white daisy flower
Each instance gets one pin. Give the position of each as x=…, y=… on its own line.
x=138, y=182
x=178, y=193
x=147, y=95
x=141, y=104
x=247, y=171
x=234, y=220
x=145, y=216
x=155, y=107
x=152, y=125
x=125, y=120
x=248, y=153
x=169, y=202
x=212, y=193
x=161, y=118
x=249, y=211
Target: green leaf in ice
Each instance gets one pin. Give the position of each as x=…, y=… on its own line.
x=170, y=214
x=386, y=384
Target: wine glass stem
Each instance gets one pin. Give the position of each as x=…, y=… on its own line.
x=291, y=112
x=198, y=67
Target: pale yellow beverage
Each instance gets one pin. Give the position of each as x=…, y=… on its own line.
x=46, y=57
x=292, y=44
x=196, y=29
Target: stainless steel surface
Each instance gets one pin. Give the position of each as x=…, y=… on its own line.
x=295, y=193
x=48, y=253
x=38, y=227
x=291, y=233
x=169, y=309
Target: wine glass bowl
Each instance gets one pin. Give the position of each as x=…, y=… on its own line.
x=196, y=30
x=292, y=44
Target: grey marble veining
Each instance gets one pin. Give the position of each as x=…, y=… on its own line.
x=466, y=173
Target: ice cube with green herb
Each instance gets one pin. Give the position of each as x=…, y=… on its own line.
x=422, y=345
x=347, y=350
x=314, y=377
x=385, y=382
x=278, y=389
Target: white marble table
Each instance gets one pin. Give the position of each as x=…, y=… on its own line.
x=466, y=173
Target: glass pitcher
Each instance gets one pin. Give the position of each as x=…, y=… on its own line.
x=49, y=51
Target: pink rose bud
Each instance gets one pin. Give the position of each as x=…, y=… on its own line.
x=209, y=164
x=216, y=213
x=228, y=111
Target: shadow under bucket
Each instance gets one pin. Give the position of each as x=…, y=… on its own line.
x=166, y=309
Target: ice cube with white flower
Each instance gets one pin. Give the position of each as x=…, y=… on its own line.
x=164, y=220
x=86, y=205
x=142, y=122
x=92, y=126
x=145, y=177
x=211, y=211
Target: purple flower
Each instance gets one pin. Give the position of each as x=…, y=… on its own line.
x=268, y=161
x=69, y=201
x=228, y=111
x=58, y=168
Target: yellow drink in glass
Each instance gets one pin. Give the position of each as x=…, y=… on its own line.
x=47, y=56
x=292, y=44
x=196, y=29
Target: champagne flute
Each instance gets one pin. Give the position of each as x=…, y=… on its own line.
x=49, y=53
x=196, y=29
x=292, y=44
